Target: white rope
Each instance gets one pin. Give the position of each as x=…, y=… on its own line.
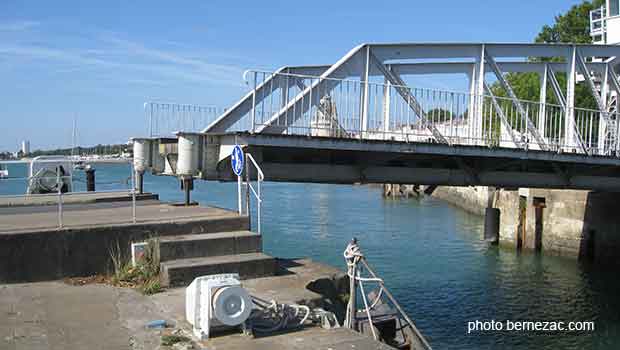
x=282, y=314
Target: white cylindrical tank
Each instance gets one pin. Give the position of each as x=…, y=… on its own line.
x=141, y=154
x=188, y=147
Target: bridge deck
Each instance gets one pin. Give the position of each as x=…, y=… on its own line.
x=341, y=160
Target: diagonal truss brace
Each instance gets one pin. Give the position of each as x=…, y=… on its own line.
x=614, y=79
x=501, y=114
x=588, y=78
x=405, y=93
x=555, y=85
x=300, y=84
x=616, y=86
x=531, y=128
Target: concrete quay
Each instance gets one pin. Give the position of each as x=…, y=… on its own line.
x=35, y=249
x=54, y=315
x=188, y=242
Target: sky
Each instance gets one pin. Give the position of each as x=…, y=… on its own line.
x=98, y=61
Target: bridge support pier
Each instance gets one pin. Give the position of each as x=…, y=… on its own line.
x=491, y=225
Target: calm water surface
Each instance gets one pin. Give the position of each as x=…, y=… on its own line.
x=431, y=257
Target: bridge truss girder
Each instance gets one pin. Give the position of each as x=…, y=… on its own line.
x=471, y=60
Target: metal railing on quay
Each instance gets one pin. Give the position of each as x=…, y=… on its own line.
x=55, y=185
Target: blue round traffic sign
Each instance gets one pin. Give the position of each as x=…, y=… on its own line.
x=236, y=160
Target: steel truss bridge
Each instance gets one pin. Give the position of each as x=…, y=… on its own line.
x=362, y=120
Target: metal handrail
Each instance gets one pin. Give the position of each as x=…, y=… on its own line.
x=59, y=178
x=257, y=193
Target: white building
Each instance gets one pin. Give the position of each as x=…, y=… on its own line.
x=25, y=147
x=605, y=23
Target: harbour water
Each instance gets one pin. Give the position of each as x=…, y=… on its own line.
x=430, y=255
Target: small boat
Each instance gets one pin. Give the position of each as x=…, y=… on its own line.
x=380, y=317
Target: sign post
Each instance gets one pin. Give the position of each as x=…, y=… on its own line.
x=237, y=160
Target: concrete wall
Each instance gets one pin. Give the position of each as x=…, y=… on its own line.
x=472, y=199
x=48, y=255
x=579, y=224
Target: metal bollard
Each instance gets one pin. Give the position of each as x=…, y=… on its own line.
x=90, y=179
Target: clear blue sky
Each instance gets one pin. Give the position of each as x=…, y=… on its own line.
x=100, y=60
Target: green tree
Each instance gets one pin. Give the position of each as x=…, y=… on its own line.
x=570, y=27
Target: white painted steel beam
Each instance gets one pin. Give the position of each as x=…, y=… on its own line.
x=405, y=93
x=542, y=109
x=386, y=102
x=476, y=115
x=569, y=116
x=404, y=51
x=555, y=86
x=581, y=64
x=364, y=98
x=322, y=83
x=531, y=128
x=502, y=116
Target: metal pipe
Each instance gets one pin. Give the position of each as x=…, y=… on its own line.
x=239, y=194
x=133, y=193
x=247, y=193
x=59, y=185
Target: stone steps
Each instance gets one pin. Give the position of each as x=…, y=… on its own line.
x=209, y=245
x=181, y=272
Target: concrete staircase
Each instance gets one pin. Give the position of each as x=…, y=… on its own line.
x=185, y=257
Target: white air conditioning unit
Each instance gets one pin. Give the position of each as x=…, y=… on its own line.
x=216, y=302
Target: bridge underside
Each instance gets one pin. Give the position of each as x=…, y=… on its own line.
x=346, y=161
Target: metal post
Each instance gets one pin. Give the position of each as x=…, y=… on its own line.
x=364, y=102
x=150, y=119
x=239, y=194
x=253, y=111
x=542, y=112
x=480, y=63
x=602, y=123
x=569, y=122
x=259, y=202
x=471, y=103
x=386, y=106
x=59, y=185
x=133, y=193
x=188, y=186
x=247, y=190
x=353, y=298
x=90, y=179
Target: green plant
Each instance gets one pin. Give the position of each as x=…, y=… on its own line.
x=144, y=275
x=151, y=286
x=169, y=340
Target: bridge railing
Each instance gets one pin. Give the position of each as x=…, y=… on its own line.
x=347, y=108
x=166, y=118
